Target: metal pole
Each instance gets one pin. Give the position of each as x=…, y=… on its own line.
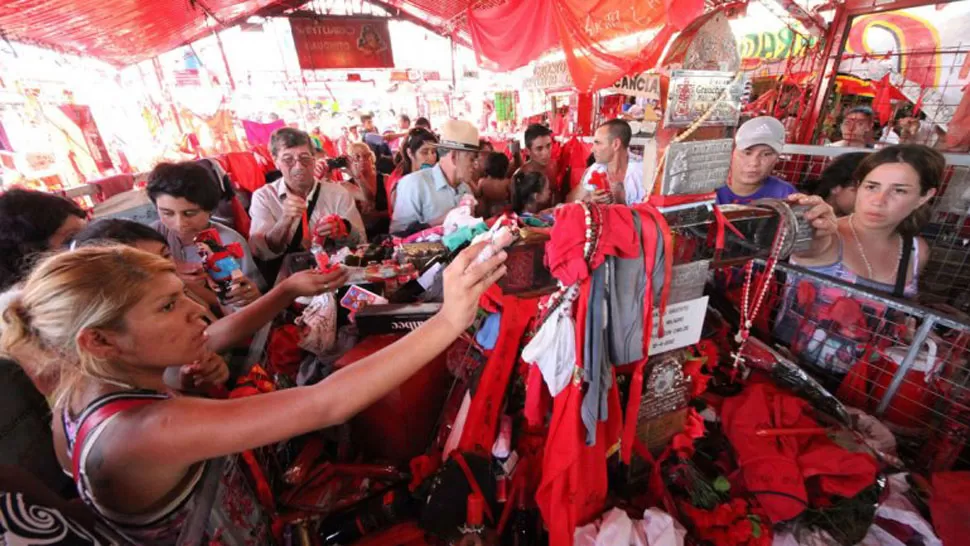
x=907, y=364
x=225, y=61
x=831, y=53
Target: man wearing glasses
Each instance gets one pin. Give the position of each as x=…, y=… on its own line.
x=281, y=210
x=857, y=128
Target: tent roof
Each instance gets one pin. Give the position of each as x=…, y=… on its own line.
x=123, y=32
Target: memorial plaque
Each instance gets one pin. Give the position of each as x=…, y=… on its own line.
x=663, y=407
x=687, y=281
x=693, y=92
x=696, y=167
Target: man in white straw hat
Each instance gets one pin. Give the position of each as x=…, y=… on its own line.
x=426, y=196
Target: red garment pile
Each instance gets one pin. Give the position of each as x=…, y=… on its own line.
x=788, y=473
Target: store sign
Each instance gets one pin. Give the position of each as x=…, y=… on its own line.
x=774, y=45
x=682, y=326
x=341, y=42
x=550, y=76
x=399, y=75
x=645, y=85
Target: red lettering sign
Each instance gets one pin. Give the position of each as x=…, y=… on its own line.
x=341, y=42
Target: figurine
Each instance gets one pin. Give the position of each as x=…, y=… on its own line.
x=221, y=262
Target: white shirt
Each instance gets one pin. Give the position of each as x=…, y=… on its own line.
x=632, y=180
x=267, y=207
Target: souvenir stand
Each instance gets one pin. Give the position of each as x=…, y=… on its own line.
x=595, y=400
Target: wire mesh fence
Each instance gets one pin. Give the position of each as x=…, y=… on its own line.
x=929, y=79
x=907, y=364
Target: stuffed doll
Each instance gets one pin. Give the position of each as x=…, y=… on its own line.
x=221, y=262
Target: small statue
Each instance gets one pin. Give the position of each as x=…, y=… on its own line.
x=221, y=262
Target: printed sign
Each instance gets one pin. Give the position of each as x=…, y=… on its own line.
x=645, y=85
x=775, y=45
x=682, y=326
x=550, y=76
x=694, y=92
x=341, y=42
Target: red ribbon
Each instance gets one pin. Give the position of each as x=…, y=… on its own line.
x=472, y=482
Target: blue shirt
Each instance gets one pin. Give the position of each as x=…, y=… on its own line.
x=423, y=196
x=773, y=187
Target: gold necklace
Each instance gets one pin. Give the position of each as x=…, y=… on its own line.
x=862, y=252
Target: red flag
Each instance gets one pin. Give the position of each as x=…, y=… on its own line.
x=882, y=103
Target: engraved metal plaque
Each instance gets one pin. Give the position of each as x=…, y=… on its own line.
x=693, y=92
x=696, y=167
x=663, y=406
x=687, y=281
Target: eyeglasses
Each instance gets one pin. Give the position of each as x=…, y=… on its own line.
x=305, y=160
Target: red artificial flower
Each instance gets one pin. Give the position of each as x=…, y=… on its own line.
x=698, y=379
x=683, y=442
x=741, y=531
x=724, y=515
x=740, y=506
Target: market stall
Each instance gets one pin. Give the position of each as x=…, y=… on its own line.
x=614, y=389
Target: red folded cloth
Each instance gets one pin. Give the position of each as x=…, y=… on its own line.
x=776, y=469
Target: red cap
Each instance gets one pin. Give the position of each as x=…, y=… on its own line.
x=476, y=508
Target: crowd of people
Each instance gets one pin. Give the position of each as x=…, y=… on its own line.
x=112, y=310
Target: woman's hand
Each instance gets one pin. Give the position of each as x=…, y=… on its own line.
x=821, y=216
x=210, y=371
x=312, y=282
x=242, y=292
x=465, y=281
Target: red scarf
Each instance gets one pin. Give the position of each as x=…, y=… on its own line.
x=481, y=426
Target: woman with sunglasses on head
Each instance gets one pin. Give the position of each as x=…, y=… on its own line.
x=877, y=246
x=160, y=468
x=417, y=152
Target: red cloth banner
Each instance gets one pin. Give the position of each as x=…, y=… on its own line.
x=583, y=32
x=341, y=42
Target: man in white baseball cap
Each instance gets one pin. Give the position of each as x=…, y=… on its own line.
x=426, y=196
x=758, y=143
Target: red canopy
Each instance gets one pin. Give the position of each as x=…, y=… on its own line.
x=120, y=32
x=123, y=32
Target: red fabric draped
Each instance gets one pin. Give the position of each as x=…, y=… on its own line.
x=574, y=484
x=580, y=30
x=497, y=33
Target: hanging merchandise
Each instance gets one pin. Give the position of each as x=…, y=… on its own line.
x=258, y=133
x=505, y=106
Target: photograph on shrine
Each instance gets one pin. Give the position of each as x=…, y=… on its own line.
x=485, y=273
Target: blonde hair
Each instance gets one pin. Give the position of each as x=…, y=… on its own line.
x=354, y=146
x=92, y=287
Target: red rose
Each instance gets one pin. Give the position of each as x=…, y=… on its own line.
x=724, y=516
x=741, y=531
